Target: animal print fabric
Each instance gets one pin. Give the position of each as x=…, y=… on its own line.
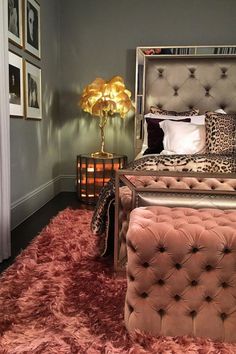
x=213, y=163
x=220, y=132
x=158, y=110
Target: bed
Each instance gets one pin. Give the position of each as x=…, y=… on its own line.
x=185, y=128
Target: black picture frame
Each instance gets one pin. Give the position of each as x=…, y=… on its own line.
x=15, y=24
x=32, y=28
x=16, y=85
x=33, y=91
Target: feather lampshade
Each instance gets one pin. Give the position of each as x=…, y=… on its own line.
x=103, y=99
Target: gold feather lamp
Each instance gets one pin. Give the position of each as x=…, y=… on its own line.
x=103, y=99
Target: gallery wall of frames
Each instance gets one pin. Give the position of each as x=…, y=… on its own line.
x=24, y=32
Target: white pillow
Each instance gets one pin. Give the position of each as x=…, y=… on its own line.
x=220, y=110
x=162, y=116
x=199, y=120
x=183, y=138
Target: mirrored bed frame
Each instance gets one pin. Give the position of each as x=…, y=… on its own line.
x=177, y=79
x=172, y=78
x=182, y=78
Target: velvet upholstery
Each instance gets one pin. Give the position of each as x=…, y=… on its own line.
x=164, y=182
x=181, y=272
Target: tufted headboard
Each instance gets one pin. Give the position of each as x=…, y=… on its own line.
x=195, y=77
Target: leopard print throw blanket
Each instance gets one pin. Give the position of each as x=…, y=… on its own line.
x=213, y=163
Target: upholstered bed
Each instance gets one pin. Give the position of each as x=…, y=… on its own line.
x=177, y=98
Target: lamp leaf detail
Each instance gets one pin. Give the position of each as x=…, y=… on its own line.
x=103, y=99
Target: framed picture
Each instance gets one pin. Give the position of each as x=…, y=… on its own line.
x=32, y=28
x=15, y=21
x=33, y=95
x=16, y=89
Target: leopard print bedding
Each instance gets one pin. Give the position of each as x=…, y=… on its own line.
x=213, y=163
x=220, y=132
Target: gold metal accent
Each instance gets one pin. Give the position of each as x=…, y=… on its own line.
x=103, y=99
x=102, y=153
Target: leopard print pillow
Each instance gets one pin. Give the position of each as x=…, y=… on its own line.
x=220, y=132
x=158, y=110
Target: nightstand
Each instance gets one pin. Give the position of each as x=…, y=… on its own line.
x=94, y=172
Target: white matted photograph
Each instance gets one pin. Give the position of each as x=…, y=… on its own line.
x=32, y=28
x=33, y=93
x=15, y=25
x=16, y=88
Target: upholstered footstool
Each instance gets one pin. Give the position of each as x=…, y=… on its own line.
x=181, y=272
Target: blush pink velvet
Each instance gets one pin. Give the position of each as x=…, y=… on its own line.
x=181, y=272
x=164, y=182
x=59, y=297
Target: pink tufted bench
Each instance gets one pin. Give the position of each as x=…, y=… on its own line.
x=181, y=272
x=176, y=190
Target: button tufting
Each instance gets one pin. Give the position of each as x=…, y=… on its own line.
x=161, y=312
x=208, y=299
x=224, y=285
x=226, y=250
x=192, y=72
x=194, y=283
x=160, y=71
x=193, y=313
x=178, y=266
x=195, y=250
x=131, y=277
x=161, y=282
x=175, y=88
x=223, y=316
x=144, y=295
x=223, y=73
x=177, y=297
x=207, y=88
x=224, y=70
x=145, y=264
x=209, y=268
x=131, y=309
x=162, y=249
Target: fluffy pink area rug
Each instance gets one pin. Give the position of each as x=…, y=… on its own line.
x=59, y=297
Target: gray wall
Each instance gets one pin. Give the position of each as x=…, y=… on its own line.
x=81, y=40
x=99, y=39
x=35, y=145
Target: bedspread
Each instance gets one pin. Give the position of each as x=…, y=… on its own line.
x=213, y=163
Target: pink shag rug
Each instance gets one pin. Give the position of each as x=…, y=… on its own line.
x=59, y=297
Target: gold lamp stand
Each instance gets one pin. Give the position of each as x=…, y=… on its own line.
x=102, y=99
x=102, y=123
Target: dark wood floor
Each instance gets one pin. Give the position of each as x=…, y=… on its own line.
x=25, y=232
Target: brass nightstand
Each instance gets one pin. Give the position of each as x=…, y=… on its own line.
x=94, y=172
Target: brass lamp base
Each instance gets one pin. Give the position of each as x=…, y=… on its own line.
x=102, y=154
